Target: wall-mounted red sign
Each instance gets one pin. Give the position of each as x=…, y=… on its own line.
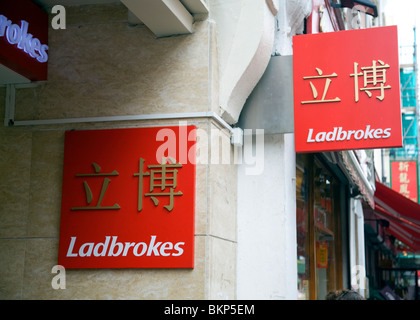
x=24, y=39
x=404, y=178
x=347, y=90
x=128, y=198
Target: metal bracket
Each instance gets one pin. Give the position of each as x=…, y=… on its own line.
x=9, y=117
x=270, y=105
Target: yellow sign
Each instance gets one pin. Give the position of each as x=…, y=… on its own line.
x=322, y=254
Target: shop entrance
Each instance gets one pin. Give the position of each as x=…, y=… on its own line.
x=318, y=228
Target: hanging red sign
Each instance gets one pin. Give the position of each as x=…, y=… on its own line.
x=127, y=199
x=404, y=178
x=346, y=90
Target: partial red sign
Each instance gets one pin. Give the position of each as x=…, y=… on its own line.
x=347, y=90
x=128, y=198
x=404, y=178
x=24, y=38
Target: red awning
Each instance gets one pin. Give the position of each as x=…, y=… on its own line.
x=402, y=213
x=402, y=229
x=396, y=204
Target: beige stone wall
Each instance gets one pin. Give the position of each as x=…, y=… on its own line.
x=101, y=66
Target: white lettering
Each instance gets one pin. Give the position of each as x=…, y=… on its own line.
x=59, y=21
x=114, y=248
x=167, y=149
x=226, y=309
x=35, y=46
x=182, y=146
x=350, y=133
x=143, y=249
x=4, y=23
x=18, y=35
x=164, y=247
x=191, y=311
x=358, y=279
x=88, y=245
x=13, y=34
x=128, y=245
x=320, y=137
x=377, y=134
x=342, y=135
x=258, y=159
x=153, y=247
x=310, y=136
x=59, y=281
x=359, y=134
x=113, y=245
x=368, y=133
x=25, y=39
x=179, y=249
x=250, y=153
x=70, y=251
x=104, y=247
x=331, y=135
x=43, y=56
x=338, y=134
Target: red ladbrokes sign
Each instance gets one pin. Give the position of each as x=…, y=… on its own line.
x=347, y=90
x=128, y=200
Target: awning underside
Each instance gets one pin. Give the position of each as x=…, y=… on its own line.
x=402, y=213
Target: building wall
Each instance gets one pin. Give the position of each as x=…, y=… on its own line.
x=357, y=247
x=101, y=66
x=267, y=258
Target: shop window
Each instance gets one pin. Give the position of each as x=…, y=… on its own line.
x=317, y=217
x=303, y=230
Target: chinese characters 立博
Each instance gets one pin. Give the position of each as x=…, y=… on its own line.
x=374, y=75
x=163, y=177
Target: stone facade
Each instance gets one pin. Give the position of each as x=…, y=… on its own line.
x=105, y=65
x=102, y=66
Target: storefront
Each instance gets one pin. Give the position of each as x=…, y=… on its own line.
x=130, y=66
x=335, y=191
x=329, y=187
x=257, y=219
x=321, y=211
x=392, y=231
